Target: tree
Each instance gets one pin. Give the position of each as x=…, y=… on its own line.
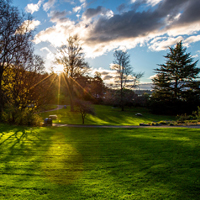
x=97, y=87
x=84, y=107
x=15, y=40
x=176, y=80
x=20, y=86
x=125, y=73
x=71, y=56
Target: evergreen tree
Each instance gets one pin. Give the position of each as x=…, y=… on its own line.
x=176, y=80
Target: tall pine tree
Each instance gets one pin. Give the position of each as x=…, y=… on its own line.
x=176, y=81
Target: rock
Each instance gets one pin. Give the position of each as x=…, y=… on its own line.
x=138, y=114
x=53, y=117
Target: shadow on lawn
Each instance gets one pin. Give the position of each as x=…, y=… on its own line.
x=150, y=164
x=37, y=161
x=21, y=154
x=157, y=163
x=108, y=164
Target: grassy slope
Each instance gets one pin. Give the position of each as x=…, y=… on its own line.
x=106, y=115
x=75, y=163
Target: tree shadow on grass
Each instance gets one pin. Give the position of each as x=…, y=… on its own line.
x=154, y=165
x=21, y=154
x=37, y=163
x=133, y=163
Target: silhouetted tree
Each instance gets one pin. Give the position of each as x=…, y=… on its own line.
x=71, y=56
x=125, y=73
x=176, y=81
x=84, y=107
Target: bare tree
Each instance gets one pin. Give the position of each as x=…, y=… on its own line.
x=84, y=107
x=71, y=56
x=124, y=70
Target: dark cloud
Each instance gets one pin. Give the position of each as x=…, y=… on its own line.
x=104, y=73
x=57, y=16
x=129, y=24
x=122, y=7
x=107, y=77
x=191, y=12
x=133, y=24
x=91, y=12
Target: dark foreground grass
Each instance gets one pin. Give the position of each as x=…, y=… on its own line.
x=107, y=115
x=75, y=163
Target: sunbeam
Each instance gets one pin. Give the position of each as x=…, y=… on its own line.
x=41, y=81
x=81, y=87
x=58, y=90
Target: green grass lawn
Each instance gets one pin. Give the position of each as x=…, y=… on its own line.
x=94, y=163
x=107, y=115
x=48, y=107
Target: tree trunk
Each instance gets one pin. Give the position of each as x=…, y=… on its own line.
x=70, y=91
x=1, y=94
x=122, y=103
x=83, y=118
x=175, y=88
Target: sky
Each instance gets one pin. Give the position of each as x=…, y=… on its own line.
x=144, y=28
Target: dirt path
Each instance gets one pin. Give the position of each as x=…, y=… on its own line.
x=58, y=108
x=104, y=126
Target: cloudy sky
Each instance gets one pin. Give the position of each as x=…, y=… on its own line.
x=144, y=27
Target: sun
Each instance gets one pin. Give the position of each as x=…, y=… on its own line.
x=58, y=69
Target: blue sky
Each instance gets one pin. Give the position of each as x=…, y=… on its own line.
x=145, y=28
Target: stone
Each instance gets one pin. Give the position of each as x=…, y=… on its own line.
x=53, y=117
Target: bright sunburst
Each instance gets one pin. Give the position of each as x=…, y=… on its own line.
x=58, y=69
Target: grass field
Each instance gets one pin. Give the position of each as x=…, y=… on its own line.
x=74, y=163
x=107, y=115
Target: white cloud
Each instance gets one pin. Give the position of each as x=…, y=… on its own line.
x=153, y=76
x=28, y=25
x=109, y=14
x=102, y=31
x=192, y=39
x=133, y=1
x=164, y=44
x=108, y=76
x=77, y=9
x=145, y=86
x=149, y=2
x=31, y=8
x=195, y=56
x=45, y=48
x=154, y=2
x=48, y=4
x=183, y=29
x=57, y=34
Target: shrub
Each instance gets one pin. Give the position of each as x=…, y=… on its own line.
x=16, y=116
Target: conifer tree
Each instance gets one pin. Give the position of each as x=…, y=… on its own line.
x=176, y=80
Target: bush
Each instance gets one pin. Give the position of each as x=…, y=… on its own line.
x=16, y=116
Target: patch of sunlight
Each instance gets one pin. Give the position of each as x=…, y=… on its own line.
x=98, y=120
x=132, y=121
x=63, y=163
x=161, y=137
